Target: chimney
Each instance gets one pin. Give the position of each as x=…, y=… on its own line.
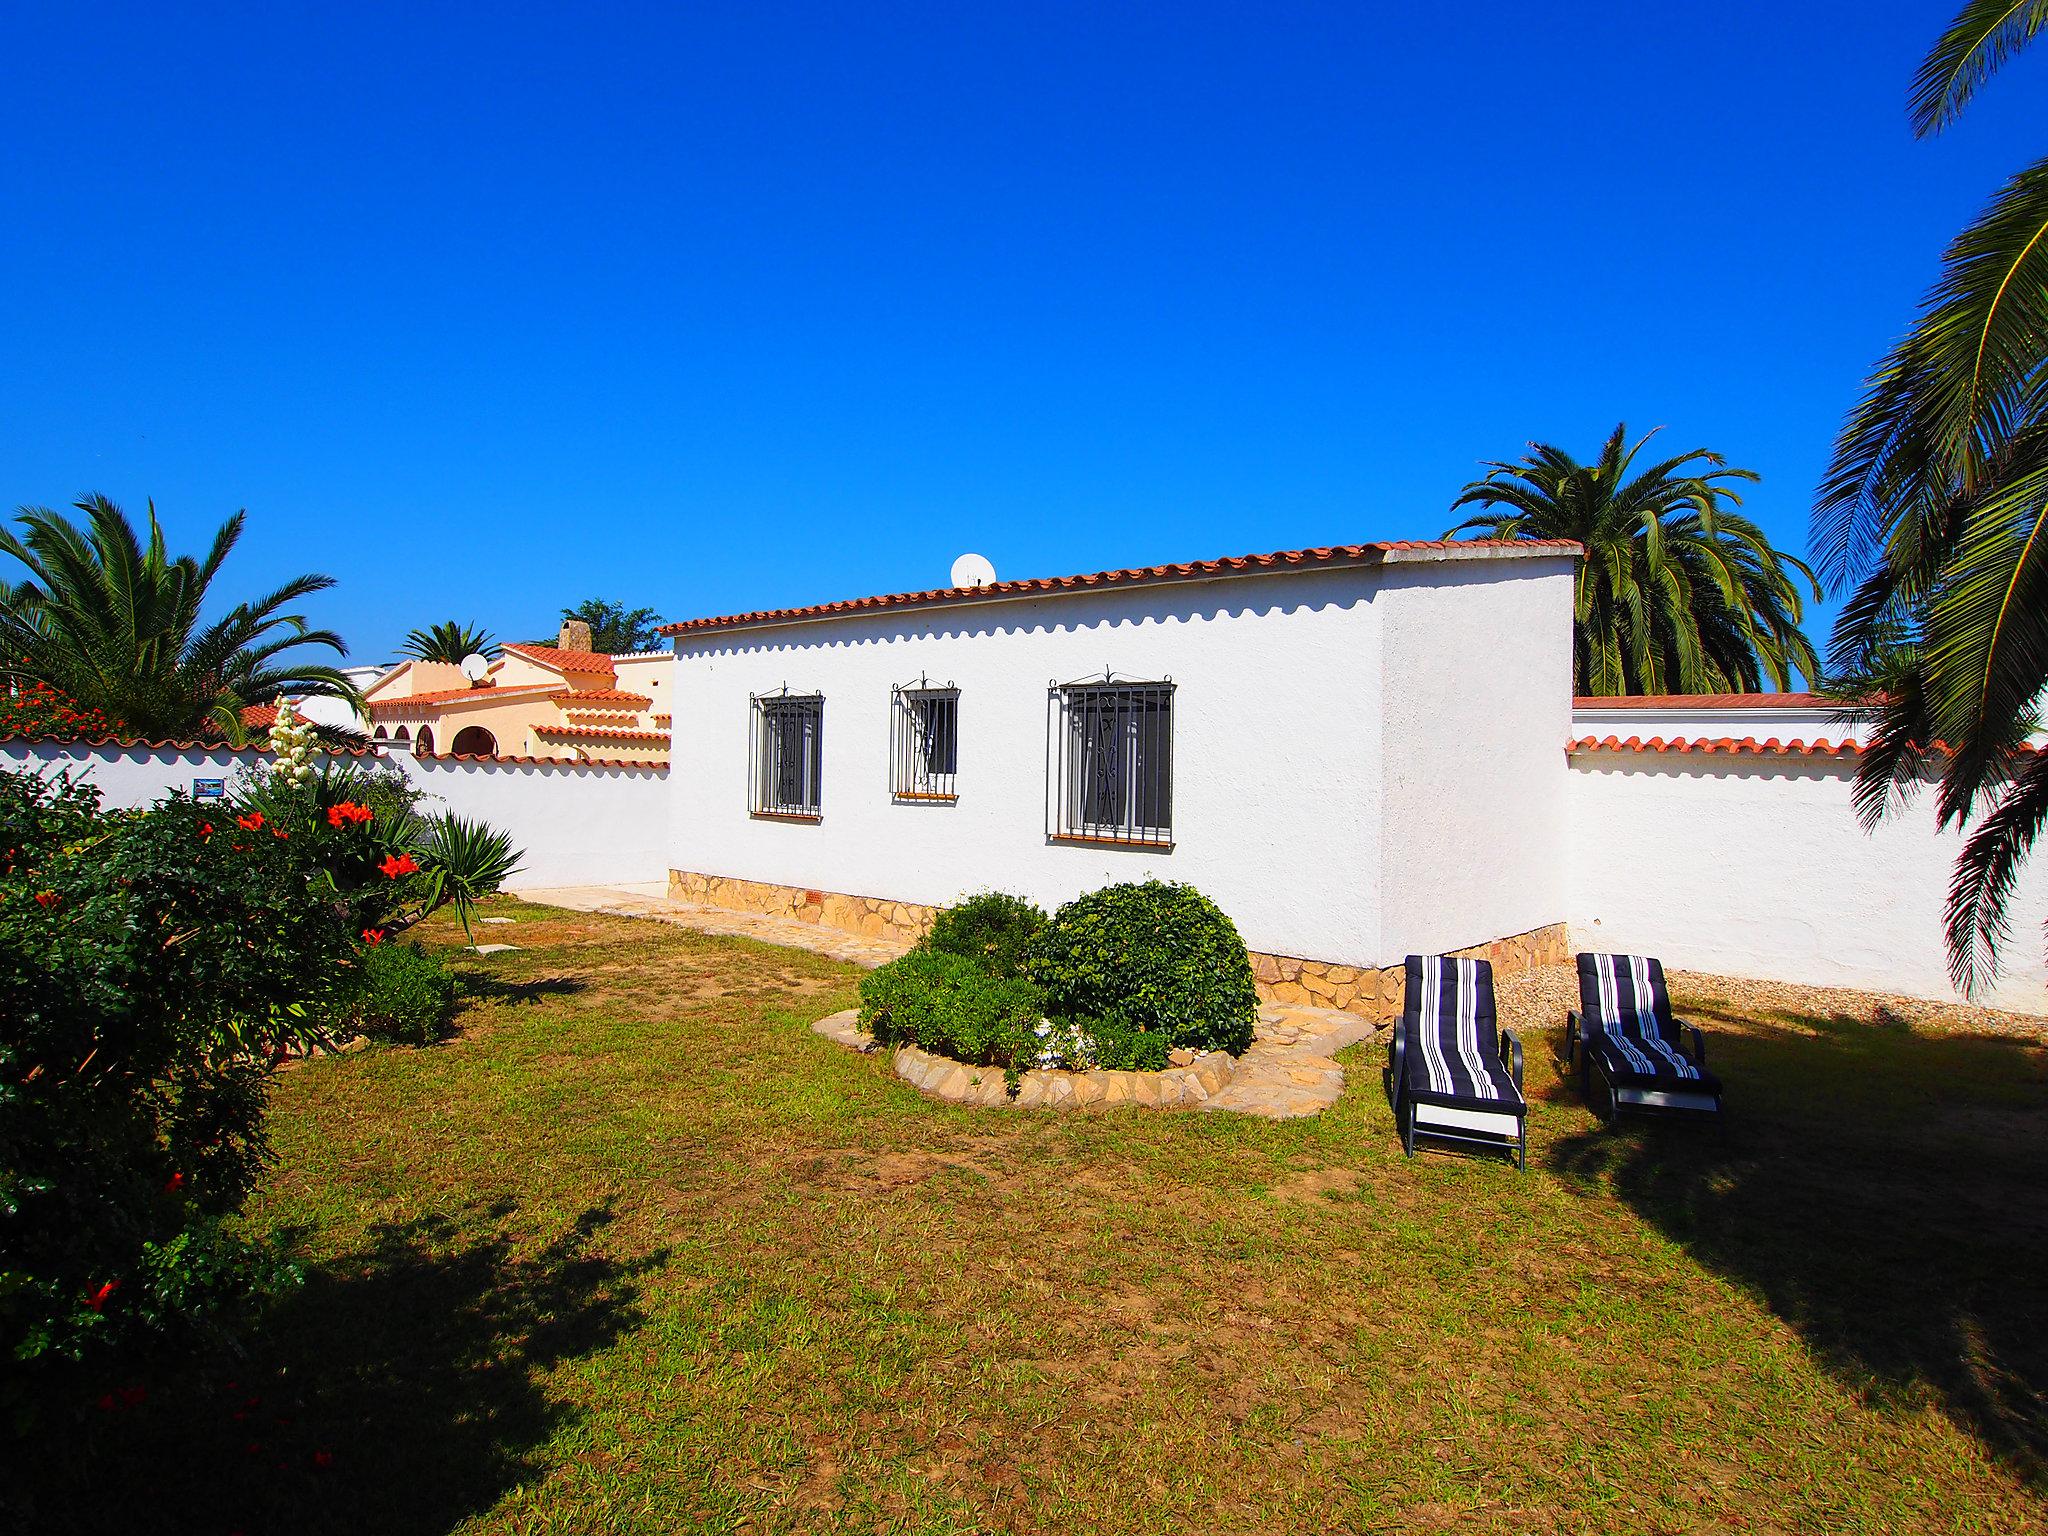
x=575, y=636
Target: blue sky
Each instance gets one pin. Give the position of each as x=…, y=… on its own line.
x=484, y=310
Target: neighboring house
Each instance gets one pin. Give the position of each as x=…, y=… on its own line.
x=563, y=702
x=1358, y=752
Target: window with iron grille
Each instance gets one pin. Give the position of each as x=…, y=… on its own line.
x=1111, y=763
x=788, y=754
x=925, y=746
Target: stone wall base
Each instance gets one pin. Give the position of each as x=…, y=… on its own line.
x=1373, y=994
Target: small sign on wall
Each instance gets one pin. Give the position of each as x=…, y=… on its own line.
x=209, y=789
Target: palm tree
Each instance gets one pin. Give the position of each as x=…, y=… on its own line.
x=114, y=625
x=1935, y=511
x=1677, y=593
x=449, y=642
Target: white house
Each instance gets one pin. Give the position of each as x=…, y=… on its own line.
x=1358, y=752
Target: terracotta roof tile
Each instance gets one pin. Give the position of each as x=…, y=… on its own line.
x=565, y=661
x=608, y=732
x=486, y=695
x=138, y=743
x=581, y=697
x=1192, y=570
x=1729, y=745
x=547, y=762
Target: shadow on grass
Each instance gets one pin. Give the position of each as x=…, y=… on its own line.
x=486, y=988
x=1880, y=1190
x=401, y=1390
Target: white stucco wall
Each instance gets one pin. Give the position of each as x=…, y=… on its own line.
x=578, y=825
x=1476, y=681
x=1279, y=748
x=1756, y=866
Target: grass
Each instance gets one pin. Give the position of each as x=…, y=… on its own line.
x=638, y=1252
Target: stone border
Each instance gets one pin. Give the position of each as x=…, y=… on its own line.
x=1373, y=994
x=1286, y=1074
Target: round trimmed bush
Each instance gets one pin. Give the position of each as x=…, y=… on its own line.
x=1155, y=958
x=992, y=929
x=952, y=1007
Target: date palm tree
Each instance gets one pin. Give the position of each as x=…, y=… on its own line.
x=1678, y=593
x=1935, y=512
x=449, y=642
x=114, y=624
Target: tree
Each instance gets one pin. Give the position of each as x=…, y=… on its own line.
x=1677, y=593
x=1935, y=511
x=449, y=642
x=113, y=625
x=615, y=628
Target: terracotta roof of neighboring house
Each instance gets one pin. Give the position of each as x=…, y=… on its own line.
x=170, y=745
x=544, y=762
x=581, y=697
x=1707, y=701
x=1192, y=570
x=606, y=732
x=565, y=661
x=664, y=719
x=489, y=694
x=1746, y=746
x=258, y=716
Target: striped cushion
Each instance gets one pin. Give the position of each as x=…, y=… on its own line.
x=1628, y=1017
x=1453, y=1051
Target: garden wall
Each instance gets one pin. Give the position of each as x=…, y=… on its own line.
x=1750, y=862
x=580, y=823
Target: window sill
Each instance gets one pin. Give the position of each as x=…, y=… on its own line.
x=800, y=817
x=904, y=798
x=1142, y=845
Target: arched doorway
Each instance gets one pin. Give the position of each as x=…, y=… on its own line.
x=383, y=733
x=474, y=741
x=404, y=736
x=423, y=743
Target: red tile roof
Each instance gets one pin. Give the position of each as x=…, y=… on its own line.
x=1708, y=701
x=543, y=762
x=565, y=661
x=259, y=717
x=585, y=696
x=138, y=743
x=1746, y=746
x=489, y=694
x=607, y=732
x=1192, y=570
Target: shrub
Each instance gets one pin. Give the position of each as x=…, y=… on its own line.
x=1152, y=958
x=153, y=964
x=950, y=1006
x=400, y=992
x=992, y=929
x=1120, y=1048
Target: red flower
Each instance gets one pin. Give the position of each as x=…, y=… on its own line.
x=177, y=1182
x=250, y=822
x=280, y=834
x=373, y=935
x=106, y=1403
x=323, y=1458
x=206, y=829
x=348, y=811
x=46, y=899
x=98, y=1298
x=398, y=864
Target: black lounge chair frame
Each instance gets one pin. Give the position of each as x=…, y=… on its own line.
x=1393, y=1076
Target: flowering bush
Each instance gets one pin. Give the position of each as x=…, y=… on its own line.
x=155, y=964
x=38, y=711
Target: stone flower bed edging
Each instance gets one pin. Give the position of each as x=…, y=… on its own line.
x=1286, y=1074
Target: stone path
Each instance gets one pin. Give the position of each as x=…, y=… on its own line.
x=1286, y=1074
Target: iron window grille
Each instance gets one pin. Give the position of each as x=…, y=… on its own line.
x=924, y=752
x=787, y=752
x=1110, y=762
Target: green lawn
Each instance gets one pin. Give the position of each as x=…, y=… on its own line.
x=638, y=1252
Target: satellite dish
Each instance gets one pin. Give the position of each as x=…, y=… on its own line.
x=973, y=571
x=474, y=667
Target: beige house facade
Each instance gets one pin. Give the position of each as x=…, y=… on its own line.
x=562, y=703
